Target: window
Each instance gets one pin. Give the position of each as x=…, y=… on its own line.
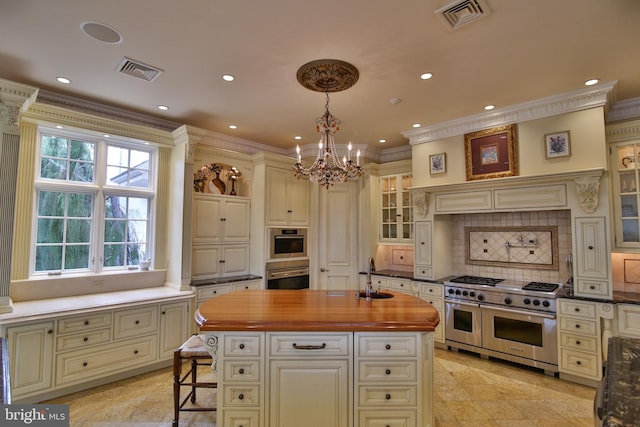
x=94, y=204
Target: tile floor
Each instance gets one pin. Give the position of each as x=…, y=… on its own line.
x=468, y=391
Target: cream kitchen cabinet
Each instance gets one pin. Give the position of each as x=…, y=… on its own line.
x=287, y=199
x=593, y=276
x=218, y=219
x=205, y=292
x=396, y=209
x=84, y=346
x=629, y=320
x=626, y=193
x=31, y=348
x=210, y=261
x=433, y=293
x=422, y=250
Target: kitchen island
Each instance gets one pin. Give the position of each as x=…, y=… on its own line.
x=290, y=358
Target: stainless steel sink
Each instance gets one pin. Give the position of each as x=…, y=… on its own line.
x=376, y=295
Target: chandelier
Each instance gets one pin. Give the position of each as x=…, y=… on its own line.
x=328, y=75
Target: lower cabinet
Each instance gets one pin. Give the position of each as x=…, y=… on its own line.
x=319, y=379
x=629, y=320
x=433, y=293
x=46, y=357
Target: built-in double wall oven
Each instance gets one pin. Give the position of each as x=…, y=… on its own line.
x=288, y=265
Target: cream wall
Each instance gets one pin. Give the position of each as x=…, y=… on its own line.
x=588, y=149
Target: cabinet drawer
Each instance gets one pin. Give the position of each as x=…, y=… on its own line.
x=380, y=282
x=242, y=418
x=208, y=292
x=134, y=322
x=578, y=342
x=242, y=395
x=402, y=285
x=387, y=418
x=629, y=320
x=593, y=288
x=578, y=309
x=369, y=371
x=386, y=346
x=81, y=365
x=579, y=363
x=587, y=327
x=82, y=323
x=84, y=339
x=242, y=345
x=437, y=303
x=241, y=370
x=423, y=272
x=381, y=396
x=315, y=345
x=431, y=291
x=246, y=286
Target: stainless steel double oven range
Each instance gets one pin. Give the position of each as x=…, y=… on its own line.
x=509, y=320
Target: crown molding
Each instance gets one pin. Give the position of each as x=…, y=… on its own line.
x=12, y=97
x=627, y=109
x=595, y=96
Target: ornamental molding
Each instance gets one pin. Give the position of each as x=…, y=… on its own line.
x=421, y=203
x=627, y=109
x=569, y=102
x=622, y=131
x=12, y=98
x=588, y=189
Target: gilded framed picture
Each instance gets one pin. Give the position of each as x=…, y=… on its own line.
x=491, y=153
x=437, y=163
x=557, y=144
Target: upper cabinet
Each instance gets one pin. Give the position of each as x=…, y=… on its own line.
x=287, y=201
x=396, y=210
x=624, y=167
x=219, y=219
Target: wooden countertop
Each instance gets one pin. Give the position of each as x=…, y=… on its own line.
x=307, y=310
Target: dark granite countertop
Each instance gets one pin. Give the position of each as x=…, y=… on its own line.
x=621, y=404
x=621, y=297
x=223, y=280
x=402, y=275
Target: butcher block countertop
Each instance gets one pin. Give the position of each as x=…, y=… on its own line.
x=308, y=310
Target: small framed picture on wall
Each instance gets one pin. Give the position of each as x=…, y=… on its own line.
x=437, y=163
x=557, y=144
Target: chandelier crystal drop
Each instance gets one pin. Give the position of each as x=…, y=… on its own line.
x=326, y=76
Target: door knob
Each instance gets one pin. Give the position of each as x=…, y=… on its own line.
x=323, y=270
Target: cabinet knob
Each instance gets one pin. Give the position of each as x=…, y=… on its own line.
x=84, y=363
x=135, y=351
x=388, y=372
x=241, y=346
x=289, y=211
x=85, y=339
x=49, y=331
x=590, y=247
x=388, y=346
x=388, y=397
x=422, y=243
x=241, y=396
x=592, y=287
x=241, y=371
x=86, y=322
x=137, y=322
x=578, y=363
x=577, y=309
x=578, y=342
x=577, y=326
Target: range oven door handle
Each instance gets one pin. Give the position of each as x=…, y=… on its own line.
x=288, y=273
x=466, y=304
x=522, y=312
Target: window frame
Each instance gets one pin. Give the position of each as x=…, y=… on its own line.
x=99, y=189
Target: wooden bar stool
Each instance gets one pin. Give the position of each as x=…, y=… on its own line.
x=195, y=353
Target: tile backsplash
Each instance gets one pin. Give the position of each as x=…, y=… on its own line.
x=504, y=227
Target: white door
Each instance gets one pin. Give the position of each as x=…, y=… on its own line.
x=337, y=237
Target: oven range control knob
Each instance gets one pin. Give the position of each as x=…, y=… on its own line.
x=527, y=301
x=536, y=302
x=481, y=297
x=450, y=291
x=472, y=294
x=458, y=292
x=465, y=293
x=507, y=300
x=546, y=303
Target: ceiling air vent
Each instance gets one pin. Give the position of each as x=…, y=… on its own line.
x=138, y=69
x=455, y=15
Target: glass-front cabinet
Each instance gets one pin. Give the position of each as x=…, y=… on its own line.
x=396, y=220
x=624, y=165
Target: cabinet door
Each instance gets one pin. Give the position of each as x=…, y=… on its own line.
x=396, y=208
x=235, y=259
x=236, y=220
x=174, y=327
x=298, y=202
x=206, y=219
x=276, y=196
x=296, y=387
x=423, y=243
x=206, y=262
x=591, y=247
x=30, y=358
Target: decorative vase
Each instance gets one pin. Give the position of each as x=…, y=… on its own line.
x=233, y=187
x=219, y=183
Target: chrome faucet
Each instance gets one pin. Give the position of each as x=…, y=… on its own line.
x=370, y=267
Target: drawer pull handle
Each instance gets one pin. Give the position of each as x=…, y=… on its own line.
x=309, y=347
x=388, y=396
x=388, y=346
x=388, y=372
x=241, y=396
x=241, y=346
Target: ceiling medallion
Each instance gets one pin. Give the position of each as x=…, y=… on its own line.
x=328, y=75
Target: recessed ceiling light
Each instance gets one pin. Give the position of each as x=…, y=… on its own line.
x=106, y=135
x=382, y=141
x=297, y=137
x=63, y=80
x=163, y=107
x=426, y=76
x=489, y=107
x=58, y=127
x=233, y=127
x=591, y=82
x=416, y=125
x=227, y=77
